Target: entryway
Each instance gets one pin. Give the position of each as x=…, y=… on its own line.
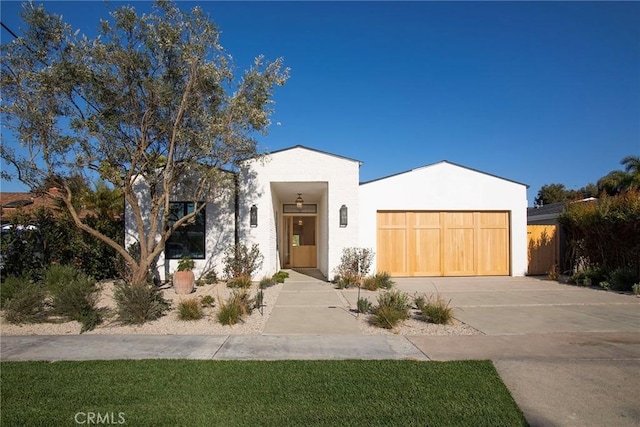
x=299, y=241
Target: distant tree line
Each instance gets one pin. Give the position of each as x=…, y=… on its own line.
x=612, y=184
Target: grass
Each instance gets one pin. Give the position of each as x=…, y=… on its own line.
x=240, y=393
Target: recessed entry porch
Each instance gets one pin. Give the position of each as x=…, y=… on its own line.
x=300, y=212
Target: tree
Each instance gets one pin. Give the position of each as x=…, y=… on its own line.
x=153, y=99
x=551, y=193
x=618, y=181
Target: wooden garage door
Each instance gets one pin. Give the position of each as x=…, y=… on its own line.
x=443, y=243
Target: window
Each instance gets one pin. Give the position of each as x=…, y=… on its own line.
x=188, y=240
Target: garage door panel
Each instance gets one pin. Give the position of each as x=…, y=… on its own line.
x=392, y=254
x=442, y=243
x=493, y=257
x=459, y=253
x=425, y=260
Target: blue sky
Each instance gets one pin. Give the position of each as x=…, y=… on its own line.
x=537, y=92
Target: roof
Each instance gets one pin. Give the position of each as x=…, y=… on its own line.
x=11, y=202
x=317, y=151
x=445, y=162
x=552, y=210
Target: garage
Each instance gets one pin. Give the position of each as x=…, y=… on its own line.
x=443, y=243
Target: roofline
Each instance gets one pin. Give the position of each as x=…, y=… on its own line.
x=315, y=150
x=451, y=163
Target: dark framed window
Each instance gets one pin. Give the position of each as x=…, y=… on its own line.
x=188, y=240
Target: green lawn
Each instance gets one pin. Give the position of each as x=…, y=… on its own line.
x=281, y=393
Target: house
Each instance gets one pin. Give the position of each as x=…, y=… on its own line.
x=302, y=207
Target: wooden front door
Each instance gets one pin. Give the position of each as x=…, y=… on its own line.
x=299, y=246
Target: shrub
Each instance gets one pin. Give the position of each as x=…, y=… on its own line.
x=552, y=274
x=241, y=261
x=343, y=282
x=622, y=278
x=437, y=310
x=419, y=301
x=393, y=307
x=9, y=287
x=378, y=281
x=190, y=309
x=210, y=277
x=588, y=276
x=186, y=264
x=137, y=304
x=267, y=282
x=207, y=301
x=237, y=306
x=364, y=305
x=280, y=276
x=355, y=262
x=259, y=300
x=636, y=289
x=27, y=304
x=74, y=295
x=242, y=281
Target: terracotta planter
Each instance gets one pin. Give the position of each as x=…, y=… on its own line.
x=183, y=282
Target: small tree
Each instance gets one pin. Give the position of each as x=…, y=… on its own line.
x=150, y=106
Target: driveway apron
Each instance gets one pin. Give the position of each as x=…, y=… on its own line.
x=308, y=306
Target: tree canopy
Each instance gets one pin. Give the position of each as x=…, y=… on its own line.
x=152, y=98
x=614, y=183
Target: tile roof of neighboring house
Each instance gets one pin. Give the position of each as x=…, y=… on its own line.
x=10, y=203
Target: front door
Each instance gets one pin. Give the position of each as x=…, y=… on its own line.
x=299, y=246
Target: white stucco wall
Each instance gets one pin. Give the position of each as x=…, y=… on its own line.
x=292, y=169
x=219, y=227
x=447, y=187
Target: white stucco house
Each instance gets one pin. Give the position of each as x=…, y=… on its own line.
x=303, y=206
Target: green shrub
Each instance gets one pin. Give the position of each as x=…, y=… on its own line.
x=74, y=295
x=588, y=276
x=207, y=301
x=355, y=262
x=259, y=300
x=393, y=307
x=10, y=286
x=419, y=301
x=267, y=282
x=27, y=304
x=186, y=264
x=190, y=309
x=437, y=310
x=345, y=281
x=210, y=277
x=636, y=289
x=236, y=307
x=280, y=276
x=370, y=283
x=364, y=305
x=241, y=261
x=137, y=304
x=622, y=278
x=387, y=317
x=243, y=282
x=378, y=281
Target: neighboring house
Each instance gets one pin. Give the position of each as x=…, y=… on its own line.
x=12, y=203
x=547, y=238
x=303, y=206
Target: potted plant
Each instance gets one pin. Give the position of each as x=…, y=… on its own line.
x=184, y=279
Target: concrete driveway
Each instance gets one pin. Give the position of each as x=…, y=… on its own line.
x=570, y=356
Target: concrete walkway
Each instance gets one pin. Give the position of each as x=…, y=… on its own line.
x=570, y=356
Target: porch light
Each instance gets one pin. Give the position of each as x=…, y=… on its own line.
x=299, y=202
x=343, y=216
x=253, y=216
x=300, y=223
